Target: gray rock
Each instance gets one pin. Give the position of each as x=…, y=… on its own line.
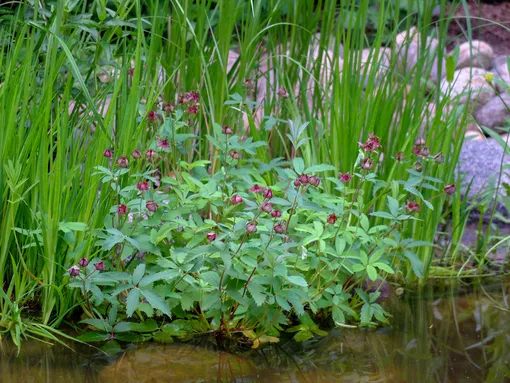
x=500, y=65
x=468, y=84
x=495, y=113
x=475, y=54
x=480, y=161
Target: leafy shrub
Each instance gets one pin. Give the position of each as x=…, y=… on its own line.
x=231, y=252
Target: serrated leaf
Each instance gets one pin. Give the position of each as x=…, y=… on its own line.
x=156, y=302
x=393, y=206
x=132, y=301
x=165, y=275
x=384, y=266
x=257, y=292
x=297, y=280
x=299, y=165
x=138, y=273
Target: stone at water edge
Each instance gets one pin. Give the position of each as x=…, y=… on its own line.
x=475, y=54
x=468, y=82
x=495, y=113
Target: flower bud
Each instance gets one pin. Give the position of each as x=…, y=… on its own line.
x=489, y=76
x=276, y=214
x=236, y=199
x=400, y=157
x=108, y=153
x=256, y=189
x=297, y=183
x=168, y=108
x=151, y=206
x=314, y=181
x=251, y=227
x=279, y=228
x=449, y=189
x=303, y=178
x=122, y=209
x=136, y=154
x=227, y=130
x=211, y=236
x=149, y=153
x=99, y=266
x=417, y=166
x=234, y=154
x=367, y=164
x=123, y=162
x=282, y=93
x=420, y=141
x=332, y=219
x=425, y=151
x=439, y=158
x=266, y=206
x=268, y=193
x=151, y=116
x=74, y=271
x=83, y=262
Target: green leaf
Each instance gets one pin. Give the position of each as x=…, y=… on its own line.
x=257, y=292
x=301, y=336
x=450, y=68
x=382, y=214
x=166, y=275
x=338, y=314
x=156, y=301
x=372, y=272
x=319, y=168
x=384, y=266
x=138, y=273
x=97, y=323
x=162, y=337
x=393, y=205
x=299, y=165
x=416, y=263
x=93, y=336
x=283, y=303
x=297, y=280
x=150, y=325
x=211, y=278
x=132, y=301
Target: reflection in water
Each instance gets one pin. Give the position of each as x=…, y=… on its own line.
x=443, y=336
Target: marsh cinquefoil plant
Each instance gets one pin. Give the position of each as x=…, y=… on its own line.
x=231, y=253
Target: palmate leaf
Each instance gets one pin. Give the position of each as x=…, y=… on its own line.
x=156, y=301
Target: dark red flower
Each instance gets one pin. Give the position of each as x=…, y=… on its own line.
x=142, y=186
x=122, y=209
x=297, y=183
x=151, y=206
x=236, y=199
x=108, y=153
x=192, y=109
x=344, y=177
x=131, y=72
x=152, y=116
x=276, y=214
x=332, y=219
x=256, y=189
x=400, y=157
x=163, y=144
x=136, y=154
x=74, y=271
x=83, y=262
x=211, y=236
x=449, y=189
x=99, y=266
x=192, y=96
x=412, y=206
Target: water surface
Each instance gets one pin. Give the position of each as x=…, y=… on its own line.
x=451, y=334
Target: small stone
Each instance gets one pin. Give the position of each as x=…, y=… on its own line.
x=500, y=65
x=468, y=82
x=475, y=54
x=495, y=113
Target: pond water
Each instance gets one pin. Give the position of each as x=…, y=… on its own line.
x=451, y=334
